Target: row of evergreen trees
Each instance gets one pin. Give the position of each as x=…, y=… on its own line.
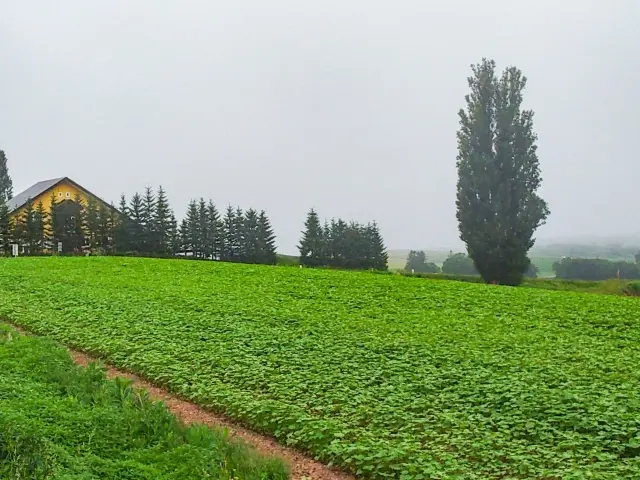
x=342, y=245
x=146, y=225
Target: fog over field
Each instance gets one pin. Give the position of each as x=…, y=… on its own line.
x=348, y=107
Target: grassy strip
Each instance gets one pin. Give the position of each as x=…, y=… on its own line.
x=605, y=287
x=390, y=377
x=60, y=421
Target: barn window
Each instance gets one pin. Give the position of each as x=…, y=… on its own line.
x=59, y=194
x=68, y=195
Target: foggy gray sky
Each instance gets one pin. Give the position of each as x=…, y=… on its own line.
x=346, y=106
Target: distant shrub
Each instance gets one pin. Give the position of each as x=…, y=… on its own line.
x=595, y=269
x=417, y=262
x=287, y=260
x=459, y=264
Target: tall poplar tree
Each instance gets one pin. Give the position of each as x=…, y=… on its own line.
x=498, y=208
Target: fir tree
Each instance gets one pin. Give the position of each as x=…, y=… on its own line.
x=205, y=240
x=250, y=237
x=238, y=238
x=194, y=236
x=6, y=185
x=107, y=223
x=184, y=236
x=379, y=257
x=5, y=230
x=148, y=216
x=121, y=228
x=215, y=231
x=56, y=223
x=312, y=246
x=266, y=241
x=75, y=226
x=135, y=230
x=228, y=225
x=40, y=220
x=163, y=222
x=173, y=235
x=93, y=224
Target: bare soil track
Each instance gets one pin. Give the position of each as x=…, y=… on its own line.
x=302, y=466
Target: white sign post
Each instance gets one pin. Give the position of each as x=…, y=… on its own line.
x=59, y=247
x=14, y=249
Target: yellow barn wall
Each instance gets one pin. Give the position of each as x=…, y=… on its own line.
x=63, y=191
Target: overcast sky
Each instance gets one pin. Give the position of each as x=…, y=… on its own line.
x=347, y=106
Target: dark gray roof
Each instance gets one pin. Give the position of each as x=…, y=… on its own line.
x=32, y=192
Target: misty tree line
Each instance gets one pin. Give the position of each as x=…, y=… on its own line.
x=146, y=226
x=340, y=244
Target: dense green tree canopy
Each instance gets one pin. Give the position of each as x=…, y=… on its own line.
x=498, y=208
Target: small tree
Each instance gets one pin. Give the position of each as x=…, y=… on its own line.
x=312, y=245
x=215, y=231
x=498, y=209
x=266, y=241
x=459, y=264
x=229, y=251
x=417, y=262
x=638, y=258
x=40, y=217
x=148, y=221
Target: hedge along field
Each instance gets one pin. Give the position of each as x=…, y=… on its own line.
x=388, y=376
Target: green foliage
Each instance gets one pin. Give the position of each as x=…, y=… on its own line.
x=595, y=269
x=60, y=421
x=6, y=184
x=417, y=262
x=459, y=264
x=498, y=209
x=342, y=245
x=388, y=376
x=5, y=231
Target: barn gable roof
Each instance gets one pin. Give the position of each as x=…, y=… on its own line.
x=39, y=188
x=32, y=192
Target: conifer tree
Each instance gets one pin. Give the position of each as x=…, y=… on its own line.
x=380, y=257
x=184, y=236
x=215, y=231
x=135, y=230
x=174, y=235
x=56, y=223
x=148, y=217
x=121, y=228
x=163, y=222
x=194, y=234
x=24, y=229
x=93, y=224
x=204, y=227
x=5, y=230
x=75, y=226
x=6, y=185
x=40, y=220
x=250, y=237
x=266, y=241
x=229, y=235
x=312, y=245
x=238, y=238
x=107, y=224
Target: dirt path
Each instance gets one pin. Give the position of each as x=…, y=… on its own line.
x=302, y=467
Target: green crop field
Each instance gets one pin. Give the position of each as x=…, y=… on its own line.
x=387, y=376
x=59, y=421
